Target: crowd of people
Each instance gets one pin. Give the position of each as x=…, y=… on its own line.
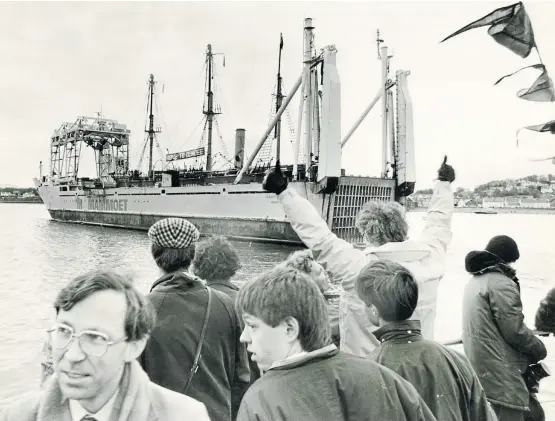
x=198, y=347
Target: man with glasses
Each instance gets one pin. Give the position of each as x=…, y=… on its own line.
x=102, y=325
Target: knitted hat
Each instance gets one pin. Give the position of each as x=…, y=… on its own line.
x=175, y=233
x=504, y=247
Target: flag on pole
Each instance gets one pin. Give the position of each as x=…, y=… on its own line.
x=510, y=26
x=281, y=41
x=545, y=127
x=542, y=89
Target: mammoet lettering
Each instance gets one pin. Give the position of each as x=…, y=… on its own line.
x=107, y=205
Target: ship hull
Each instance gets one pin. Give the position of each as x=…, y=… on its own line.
x=242, y=229
x=242, y=212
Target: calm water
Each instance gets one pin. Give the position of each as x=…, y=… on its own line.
x=38, y=256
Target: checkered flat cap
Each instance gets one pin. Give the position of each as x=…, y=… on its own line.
x=175, y=233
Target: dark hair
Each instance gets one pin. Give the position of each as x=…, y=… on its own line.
x=545, y=314
x=140, y=316
x=172, y=259
x=284, y=292
x=215, y=258
x=390, y=287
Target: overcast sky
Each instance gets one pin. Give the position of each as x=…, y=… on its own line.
x=64, y=60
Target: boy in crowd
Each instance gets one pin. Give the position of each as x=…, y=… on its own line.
x=443, y=377
x=305, y=376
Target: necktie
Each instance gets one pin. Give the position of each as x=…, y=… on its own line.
x=88, y=418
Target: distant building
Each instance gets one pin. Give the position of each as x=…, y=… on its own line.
x=535, y=203
x=493, y=202
x=461, y=203
x=512, y=202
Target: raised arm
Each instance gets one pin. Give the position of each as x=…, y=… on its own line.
x=437, y=232
x=338, y=256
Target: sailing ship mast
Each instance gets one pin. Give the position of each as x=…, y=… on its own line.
x=279, y=99
x=209, y=111
x=151, y=130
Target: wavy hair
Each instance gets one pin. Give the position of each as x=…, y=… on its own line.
x=382, y=222
x=215, y=258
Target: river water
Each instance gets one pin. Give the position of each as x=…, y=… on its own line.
x=38, y=256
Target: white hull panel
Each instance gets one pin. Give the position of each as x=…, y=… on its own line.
x=244, y=212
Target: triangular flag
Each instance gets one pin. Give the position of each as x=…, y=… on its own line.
x=510, y=27
x=542, y=89
x=545, y=127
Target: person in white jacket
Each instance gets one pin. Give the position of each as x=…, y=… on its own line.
x=384, y=228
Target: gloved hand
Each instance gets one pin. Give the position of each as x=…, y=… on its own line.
x=275, y=181
x=446, y=172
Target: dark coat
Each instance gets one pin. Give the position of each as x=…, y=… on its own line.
x=496, y=340
x=226, y=287
x=330, y=385
x=443, y=377
x=180, y=301
x=238, y=388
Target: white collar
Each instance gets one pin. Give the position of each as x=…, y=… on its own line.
x=289, y=358
x=78, y=412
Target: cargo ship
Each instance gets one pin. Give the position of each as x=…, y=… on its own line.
x=231, y=201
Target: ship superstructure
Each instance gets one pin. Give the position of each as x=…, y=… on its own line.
x=231, y=201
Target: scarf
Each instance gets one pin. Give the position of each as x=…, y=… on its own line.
x=132, y=403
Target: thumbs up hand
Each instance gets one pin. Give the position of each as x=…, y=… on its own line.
x=446, y=172
x=275, y=181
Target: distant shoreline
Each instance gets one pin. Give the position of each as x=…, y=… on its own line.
x=531, y=211
x=32, y=201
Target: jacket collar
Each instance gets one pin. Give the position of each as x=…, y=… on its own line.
x=131, y=404
x=225, y=283
x=178, y=280
x=305, y=358
x=403, y=251
x=405, y=331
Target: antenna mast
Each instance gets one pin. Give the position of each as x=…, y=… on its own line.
x=209, y=111
x=279, y=100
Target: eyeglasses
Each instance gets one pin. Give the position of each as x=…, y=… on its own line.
x=92, y=343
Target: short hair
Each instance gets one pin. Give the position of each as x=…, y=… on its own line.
x=382, y=222
x=173, y=259
x=284, y=292
x=390, y=287
x=140, y=316
x=215, y=258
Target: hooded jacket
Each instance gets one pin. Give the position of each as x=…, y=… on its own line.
x=424, y=257
x=496, y=341
x=180, y=300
